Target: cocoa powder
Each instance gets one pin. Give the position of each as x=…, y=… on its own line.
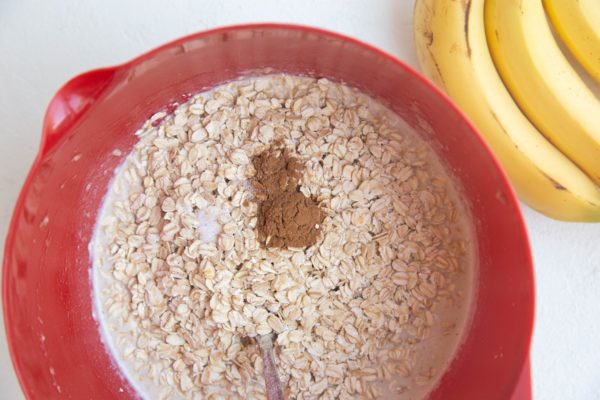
x=286, y=218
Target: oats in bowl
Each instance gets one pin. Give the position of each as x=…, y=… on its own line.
x=358, y=257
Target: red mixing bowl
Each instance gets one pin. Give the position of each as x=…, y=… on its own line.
x=54, y=340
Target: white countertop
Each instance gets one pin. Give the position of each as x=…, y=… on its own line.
x=44, y=43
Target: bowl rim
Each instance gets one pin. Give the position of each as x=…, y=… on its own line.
x=511, y=197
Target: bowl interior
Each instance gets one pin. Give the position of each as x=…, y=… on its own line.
x=54, y=340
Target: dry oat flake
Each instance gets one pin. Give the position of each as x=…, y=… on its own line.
x=375, y=308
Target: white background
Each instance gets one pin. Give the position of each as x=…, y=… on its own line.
x=44, y=43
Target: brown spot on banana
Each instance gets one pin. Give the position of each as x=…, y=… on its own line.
x=439, y=78
x=466, y=27
x=556, y=184
x=429, y=36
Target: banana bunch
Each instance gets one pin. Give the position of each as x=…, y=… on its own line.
x=501, y=64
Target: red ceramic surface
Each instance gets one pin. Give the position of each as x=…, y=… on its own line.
x=53, y=338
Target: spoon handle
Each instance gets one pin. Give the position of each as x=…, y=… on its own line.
x=272, y=384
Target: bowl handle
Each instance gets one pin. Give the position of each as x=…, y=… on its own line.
x=71, y=102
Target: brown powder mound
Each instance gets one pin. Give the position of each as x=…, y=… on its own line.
x=276, y=172
x=286, y=218
x=289, y=220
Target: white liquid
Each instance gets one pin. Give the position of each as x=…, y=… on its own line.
x=208, y=225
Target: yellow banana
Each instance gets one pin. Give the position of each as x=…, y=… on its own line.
x=578, y=24
x=542, y=82
x=452, y=51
